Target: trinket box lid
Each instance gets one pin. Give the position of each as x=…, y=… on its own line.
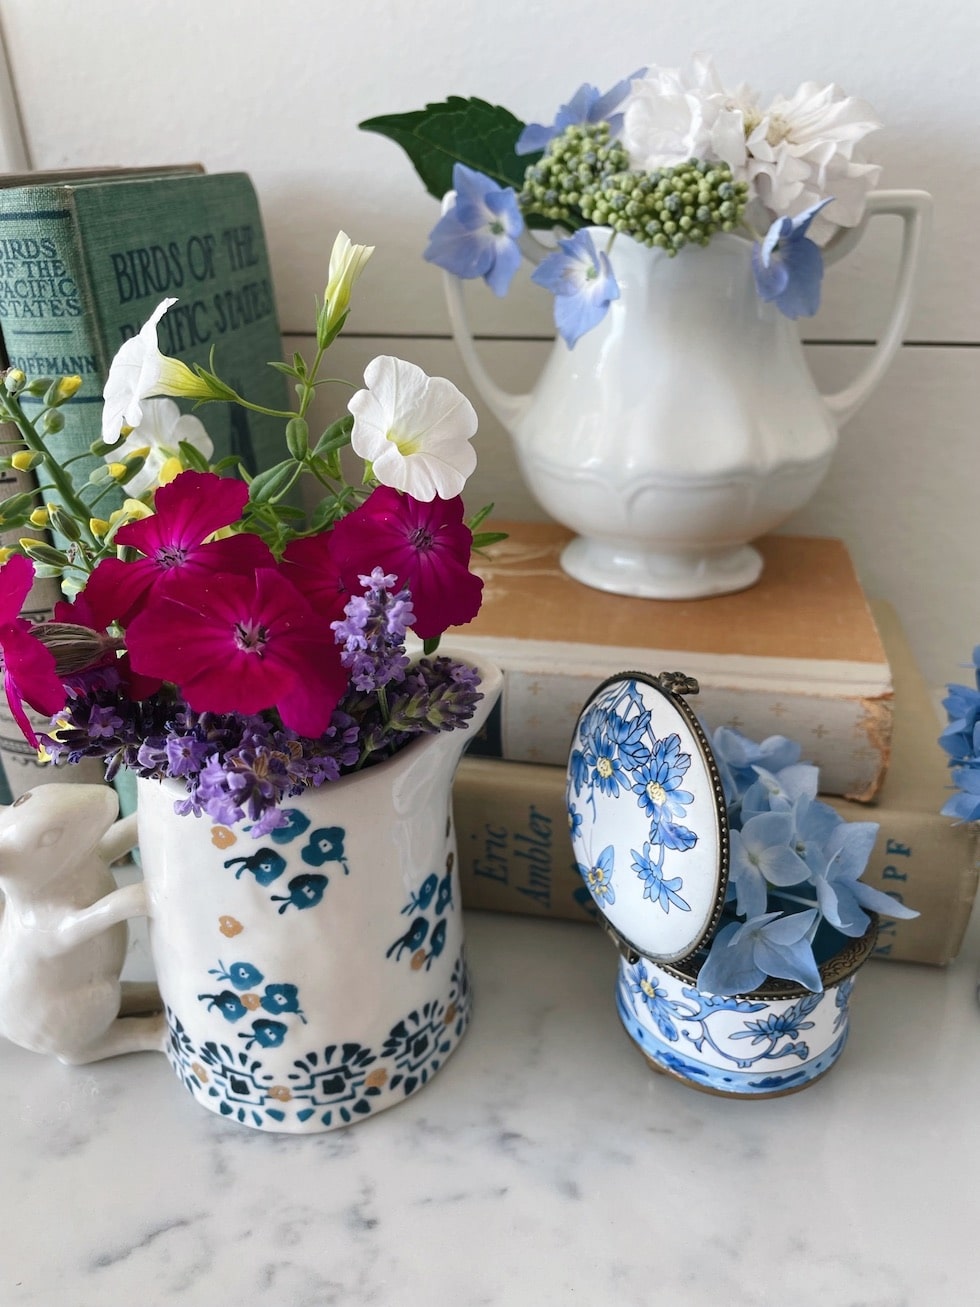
x=647, y=815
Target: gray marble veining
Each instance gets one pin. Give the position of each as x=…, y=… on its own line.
x=545, y=1165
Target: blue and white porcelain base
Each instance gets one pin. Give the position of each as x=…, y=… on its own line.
x=757, y=1045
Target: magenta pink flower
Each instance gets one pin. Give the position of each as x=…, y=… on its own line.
x=188, y=510
x=29, y=674
x=235, y=643
x=310, y=564
x=426, y=546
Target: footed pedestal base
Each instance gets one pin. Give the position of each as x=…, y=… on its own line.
x=626, y=569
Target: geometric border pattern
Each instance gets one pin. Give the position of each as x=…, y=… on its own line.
x=328, y=1087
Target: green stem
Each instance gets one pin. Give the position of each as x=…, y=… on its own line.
x=62, y=482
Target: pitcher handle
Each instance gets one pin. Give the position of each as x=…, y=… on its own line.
x=915, y=210
x=507, y=408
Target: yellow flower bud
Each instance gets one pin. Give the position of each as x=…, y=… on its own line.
x=23, y=460
x=118, y=471
x=40, y=517
x=134, y=510
x=66, y=387
x=5, y=553
x=98, y=526
x=172, y=467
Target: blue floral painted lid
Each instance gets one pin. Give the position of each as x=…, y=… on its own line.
x=647, y=815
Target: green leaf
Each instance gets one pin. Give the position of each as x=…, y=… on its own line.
x=480, y=516
x=193, y=457
x=285, y=368
x=336, y=436
x=486, y=538
x=273, y=481
x=298, y=437
x=458, y=130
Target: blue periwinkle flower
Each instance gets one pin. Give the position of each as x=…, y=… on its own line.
x=581, y=279
x=477, y=235
x=587, y=105
x=744, y=954
x=788, y=266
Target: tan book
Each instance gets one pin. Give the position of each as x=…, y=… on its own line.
x=515, y=854
x=797, y=654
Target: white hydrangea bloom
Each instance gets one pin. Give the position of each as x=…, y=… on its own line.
x=808, y=147
x=671, y=115
x=794, y=153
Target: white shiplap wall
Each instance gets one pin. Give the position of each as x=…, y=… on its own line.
x=276, y=89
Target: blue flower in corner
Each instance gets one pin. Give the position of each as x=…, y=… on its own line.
x=965, y=804
x=841, y=894
x=599, y=876
x=477, y=235
x=788, y=266
x=587, y=105
x=581, y=279
x=649, y=866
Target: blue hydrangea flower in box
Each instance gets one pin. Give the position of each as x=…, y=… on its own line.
x=733, y=892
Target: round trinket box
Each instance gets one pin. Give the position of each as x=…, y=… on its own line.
x=650, y=832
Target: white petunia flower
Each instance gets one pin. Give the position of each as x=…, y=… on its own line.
x=138, y=371
x=415, y=430
x=162, y=428
x=807, y=148
x=672, y=115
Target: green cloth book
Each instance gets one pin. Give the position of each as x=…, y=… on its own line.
x=85, y=259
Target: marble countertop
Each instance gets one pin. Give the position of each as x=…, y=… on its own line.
x=546, y=1164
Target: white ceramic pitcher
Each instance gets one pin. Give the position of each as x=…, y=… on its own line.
x=687, y=423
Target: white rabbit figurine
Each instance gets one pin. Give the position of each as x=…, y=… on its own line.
x=63, y=936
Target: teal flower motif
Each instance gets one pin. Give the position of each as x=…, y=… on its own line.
x=648, y=865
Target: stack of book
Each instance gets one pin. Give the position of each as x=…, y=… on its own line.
x=85, y=257
x=801, y=654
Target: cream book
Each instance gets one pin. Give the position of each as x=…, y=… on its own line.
x=797, y=654
x=515, y=854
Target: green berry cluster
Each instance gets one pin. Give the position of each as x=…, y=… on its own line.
x=572, y=170
x=584, y=177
